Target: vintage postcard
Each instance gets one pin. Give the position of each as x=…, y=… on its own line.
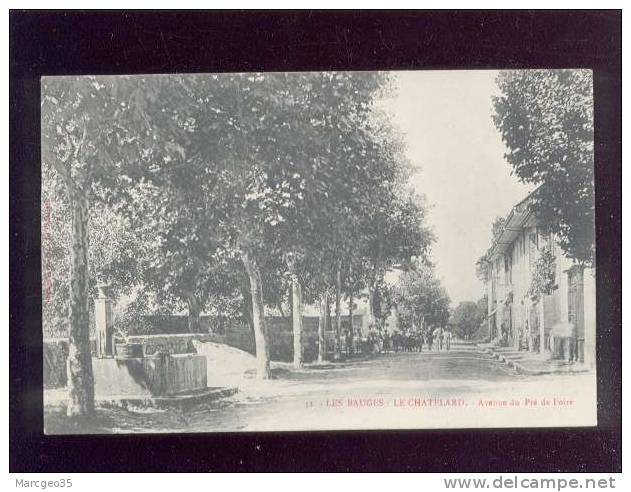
x=318, y=251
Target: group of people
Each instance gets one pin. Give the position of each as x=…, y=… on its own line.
x=359, y=343
x=439, y=339
x=377, y=341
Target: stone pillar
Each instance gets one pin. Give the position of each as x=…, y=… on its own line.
x=542, y=325
x=104, y=322
x=589, y=282
x=563, y=264
x=579, y=348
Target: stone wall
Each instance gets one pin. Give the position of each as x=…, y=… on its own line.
x=179, y=343
x=240, y=335
x=236, y=335
x=121, y=370
x=184, y=373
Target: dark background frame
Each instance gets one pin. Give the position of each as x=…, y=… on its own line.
x=111, y=42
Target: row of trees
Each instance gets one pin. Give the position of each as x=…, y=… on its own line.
x=221, y=193
x=468, y=316
x=423, y=304
x=421, y=300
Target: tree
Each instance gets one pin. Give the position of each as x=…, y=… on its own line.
x=324, y=173
x=112, y=257
x=231, y=187
x=466, y=318
x=182, y=262
x=395, y=232
x=543, y=279
x=420, y=298
x=545, y=118
x=77, y=120
x=483, y=306
x=96, y=133
x=280, y=176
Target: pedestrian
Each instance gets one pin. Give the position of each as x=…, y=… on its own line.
x=349, y=342
x=438, y=335
x=503, y=334
x=430, y=340
x=447, y=337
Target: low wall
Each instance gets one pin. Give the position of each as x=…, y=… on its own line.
x=185, y=373
x=180, y=343
x=239, y=335
x=149, y=376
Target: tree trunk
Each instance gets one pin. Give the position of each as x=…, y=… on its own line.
x=258, y=316
x=371, y=306
x=79, y=362
x=376, y=303
x=542, y=327
x=194, y=309
x=321, y=328
x=351, y=303
x=296, y=295
x=338, y=311
x=328, y=326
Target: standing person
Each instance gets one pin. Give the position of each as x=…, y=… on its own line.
x=447, y=336
x=386, y=342
x=503, y=335
x=430, y=340
x=438, y=335
x=349, y=342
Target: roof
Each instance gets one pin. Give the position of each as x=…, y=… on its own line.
x=519, y=217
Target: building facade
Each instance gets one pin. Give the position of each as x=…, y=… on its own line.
x=558, y=324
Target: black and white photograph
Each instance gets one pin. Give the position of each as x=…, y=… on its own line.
x=318, y=251
x=315, y=241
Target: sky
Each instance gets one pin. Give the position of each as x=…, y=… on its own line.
x=446, y=119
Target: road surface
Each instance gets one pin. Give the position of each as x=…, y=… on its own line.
x=462, y=388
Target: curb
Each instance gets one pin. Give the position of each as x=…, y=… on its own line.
x=520, y=369
x=161, y=402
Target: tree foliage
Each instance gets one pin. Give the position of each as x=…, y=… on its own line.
x=543, y=280
x=546, y=119
x=420, y=298
x=467, y=317
x=212, y=192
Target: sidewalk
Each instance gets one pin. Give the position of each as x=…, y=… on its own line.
x=531, y=363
